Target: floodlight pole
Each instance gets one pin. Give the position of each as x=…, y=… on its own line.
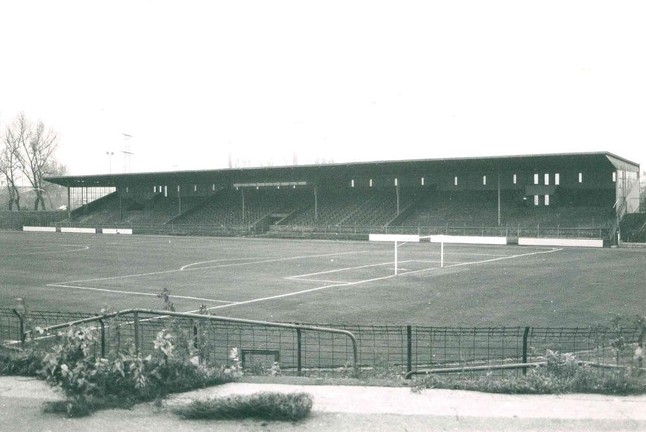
x=110, y=154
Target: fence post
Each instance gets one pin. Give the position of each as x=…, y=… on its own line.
x=102, y=338
x=409, y=348
x=22, y=328
x=136, y=333
x=525, y=338
x=299, y=357
x=196, y=343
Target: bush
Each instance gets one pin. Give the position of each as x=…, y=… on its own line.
x=21, y=363
x=266, y=406
x=90, y=382
x=561, y=374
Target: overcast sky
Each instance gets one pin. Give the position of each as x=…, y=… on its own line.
x=197, y=84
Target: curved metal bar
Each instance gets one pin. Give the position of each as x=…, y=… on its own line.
x=159, y=314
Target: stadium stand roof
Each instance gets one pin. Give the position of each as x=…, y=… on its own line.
x=387, y=167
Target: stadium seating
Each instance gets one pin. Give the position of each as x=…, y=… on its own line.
x=352, y=208
x=287, y=209
x=226, y=207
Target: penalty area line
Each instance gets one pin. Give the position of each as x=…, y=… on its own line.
x=136, y=293
x=467, y=263
x=306, y=291
x=347, y=284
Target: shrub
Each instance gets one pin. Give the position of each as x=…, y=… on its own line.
x=266, y=406
x=21, y=363
x=561, y=374
x=90, y=382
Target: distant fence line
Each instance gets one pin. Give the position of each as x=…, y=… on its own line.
x=404, y=346
x=350, y=232
x=15, y=220
x=448, y=229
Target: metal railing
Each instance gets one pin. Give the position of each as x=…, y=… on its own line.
x=355, y=232
x=302, y=346
x=361, y=232
x=146, y=323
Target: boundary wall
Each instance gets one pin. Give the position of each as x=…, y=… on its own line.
x=38, y=229
x=78, y=230
x=468, y=239
x=441, y=238
x=530, y=241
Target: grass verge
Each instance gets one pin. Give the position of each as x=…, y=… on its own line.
x=543, y=381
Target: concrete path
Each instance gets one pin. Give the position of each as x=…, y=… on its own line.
x=343, y=408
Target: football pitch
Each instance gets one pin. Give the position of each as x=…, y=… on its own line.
x=324, y=282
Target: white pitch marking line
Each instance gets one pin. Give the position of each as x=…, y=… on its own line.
x=66, y=284
x=209, y=267
x=338, y=270
x=187, y=266
x=337, y=285
x=486, y=261
x=137, y=293
x=469, y=254
x=50, y=252
x=272, y=260
x=321, y=280
x=122, y=276
x=511, y=256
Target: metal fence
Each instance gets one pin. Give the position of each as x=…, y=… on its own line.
x=353, y=232
x=404, y=347
x=361, y=232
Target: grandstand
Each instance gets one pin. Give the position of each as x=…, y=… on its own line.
x=564, y=195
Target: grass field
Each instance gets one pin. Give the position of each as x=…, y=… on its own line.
x=334, y=282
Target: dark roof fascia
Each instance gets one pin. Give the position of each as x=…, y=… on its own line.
x=621, y=163
x=486, y=162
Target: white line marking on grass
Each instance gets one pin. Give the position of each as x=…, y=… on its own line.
x=487, y=261
x=338, y=270
x=469, y=254
x=79, y=248
x=137, y=293
x=264, y=261
x=188, y=266
x=306, y=277
x=321, y=280
x=122, y=276
x=335, y=285
x=539, y=252
x=347, y=284
x=184, y=268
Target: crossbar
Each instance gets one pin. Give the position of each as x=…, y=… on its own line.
x=394, y=238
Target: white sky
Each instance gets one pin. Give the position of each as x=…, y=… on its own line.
x=198, y=82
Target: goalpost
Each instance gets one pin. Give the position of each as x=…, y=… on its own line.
x=400, y=239
x=469, y=240
x=396, y=239
x=441, y=239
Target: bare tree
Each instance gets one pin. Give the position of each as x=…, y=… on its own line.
x=36, y=146
x=10, y=167
x=55, y=192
